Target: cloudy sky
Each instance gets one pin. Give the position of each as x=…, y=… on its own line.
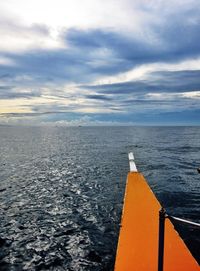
x=95, y=62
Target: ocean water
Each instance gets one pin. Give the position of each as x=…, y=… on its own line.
x=61, y=191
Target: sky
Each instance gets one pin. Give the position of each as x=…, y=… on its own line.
x=95, y=62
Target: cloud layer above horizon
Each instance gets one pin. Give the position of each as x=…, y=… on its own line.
x=89, y=63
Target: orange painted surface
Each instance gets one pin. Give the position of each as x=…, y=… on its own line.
x=138, y=240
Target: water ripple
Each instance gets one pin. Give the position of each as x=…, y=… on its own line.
x=61, y=191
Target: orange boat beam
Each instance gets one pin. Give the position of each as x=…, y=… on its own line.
x=139, y=233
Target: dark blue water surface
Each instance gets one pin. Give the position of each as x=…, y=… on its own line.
x=61, y=190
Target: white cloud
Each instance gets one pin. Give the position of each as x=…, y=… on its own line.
x=19, y=19
x=164, y=96
x=191, y=95
x=18, y=31
x=42, y=24
x=144, y=71
x=67, y=13
x=18, y=37
x=6, y=61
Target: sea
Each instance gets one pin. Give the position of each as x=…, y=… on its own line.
x=62, y=190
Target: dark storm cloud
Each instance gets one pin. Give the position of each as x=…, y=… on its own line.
x=12, y=92
x=128, y=51
x=94, y=53
x=145, y=102
x=7, y=92
x=15, y=115
x=177, y=39
x=54, y=108
x=5, y=75
x=98, y=97
x=82, y=61
x=172, y=82
x=180, y=34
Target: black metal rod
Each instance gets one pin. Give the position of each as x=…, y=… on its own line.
x=162, y=216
